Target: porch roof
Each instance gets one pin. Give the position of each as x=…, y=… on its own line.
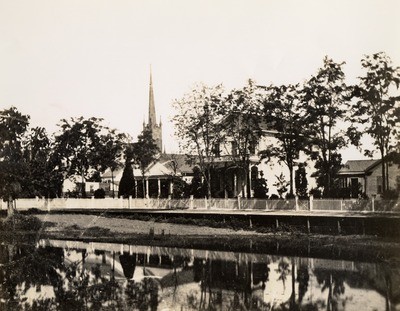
x=358, y=167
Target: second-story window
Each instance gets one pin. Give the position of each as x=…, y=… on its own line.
x=234, y=147
x=252, y=148
x=216, y=150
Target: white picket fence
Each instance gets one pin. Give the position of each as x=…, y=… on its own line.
x=208, y=204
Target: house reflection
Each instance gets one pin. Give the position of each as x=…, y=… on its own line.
x=75, y=274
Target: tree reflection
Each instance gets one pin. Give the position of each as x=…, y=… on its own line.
x=334, y=282
x=303, y=277
x=283, y=270
x=58, y=279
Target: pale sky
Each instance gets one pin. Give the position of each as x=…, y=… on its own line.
x=71, y=58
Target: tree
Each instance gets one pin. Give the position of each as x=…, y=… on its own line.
x=43, y=176
x=282, y=105
x=144, y=152
x=197, y=125
x=112, y=150
x=281, y=185
x=242, y=114
x=79, y=144
x=13, y=126
x=260, y=187
x=127, y=183
x=197, y=186
x=301, y=182
x=376, y=108
x=325, y=98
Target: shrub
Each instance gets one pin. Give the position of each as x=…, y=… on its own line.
x=274, y=197
x=34, y=210
x=99, y=193
x=19, y=222
x=390, y=195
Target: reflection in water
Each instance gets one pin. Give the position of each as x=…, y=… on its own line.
x=71, y=275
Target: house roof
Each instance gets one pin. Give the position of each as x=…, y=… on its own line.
x=165, y=164
x=182, y=163
x=358, y=166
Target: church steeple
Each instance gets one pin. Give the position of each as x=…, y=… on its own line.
x=156, y=129
x=152, y=107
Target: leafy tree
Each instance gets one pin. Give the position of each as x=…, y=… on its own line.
x=242, y=118
x=326, y=101
x=301, y=181
x=260, y=187
x=198, y=126
x=281, y=185
x=285, y=113
x=43, y=176
x=127, y=183
x=376, y=108
x=181, y=188
x=13, y=126
x=197, y=186
x=144, y=152
x=112, y=150
x=79, y=144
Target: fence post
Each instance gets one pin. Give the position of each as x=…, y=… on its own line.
x=266, y=204
x=191, y=202
x=130, y=202
x=341, y=204
x=92, y=202
x=296, y=200
x=238, y=198
x=205, y=202
x=311, y=202
x=121, y=202
x=169, y=201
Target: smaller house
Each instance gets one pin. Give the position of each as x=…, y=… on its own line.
x=366, y=176
x=158, y=176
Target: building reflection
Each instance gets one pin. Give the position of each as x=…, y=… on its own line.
x=77, y=275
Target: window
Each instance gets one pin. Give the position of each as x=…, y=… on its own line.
x=379, y=184
x=234, y=148
x=252, y=147
x=216, y=150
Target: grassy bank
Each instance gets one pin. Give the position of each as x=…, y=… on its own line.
x=207, y=235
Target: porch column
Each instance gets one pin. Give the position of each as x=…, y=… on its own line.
x=171, y=187
x=147, y=188
x=249, y=185
x=159, y=187
x=135, y=185
x=234, y=184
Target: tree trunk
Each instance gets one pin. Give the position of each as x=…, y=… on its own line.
x=83, y=186
x=383, y=171
x=291, y=192
x=144, y=187
x=112, y=182
x=10, y=206
x=208, y=182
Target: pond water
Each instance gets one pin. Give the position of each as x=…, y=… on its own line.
x=74, y=275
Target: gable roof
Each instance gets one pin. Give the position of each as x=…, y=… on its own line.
x=358, y=166
x=165, y=164
x=182, y=163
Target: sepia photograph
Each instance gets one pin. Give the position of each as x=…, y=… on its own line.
x=198, y=155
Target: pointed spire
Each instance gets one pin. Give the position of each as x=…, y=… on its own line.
x=152, y=108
